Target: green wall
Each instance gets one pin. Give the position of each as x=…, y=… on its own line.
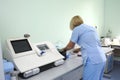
x=46, y=20
x=112, y=17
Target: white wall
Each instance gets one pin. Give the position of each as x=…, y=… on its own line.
x=47, y=19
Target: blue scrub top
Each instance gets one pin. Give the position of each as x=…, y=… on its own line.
x=87, y=37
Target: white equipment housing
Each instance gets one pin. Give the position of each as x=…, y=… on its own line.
x=28, y=57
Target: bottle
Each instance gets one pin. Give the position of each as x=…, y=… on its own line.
x=109, y=33
x=14, y=75
x=67, y=54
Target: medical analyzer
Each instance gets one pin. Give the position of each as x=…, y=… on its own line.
x=30, y=59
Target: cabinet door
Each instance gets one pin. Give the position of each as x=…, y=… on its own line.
x=109, y=63
x=75, y=74
x=116, y=52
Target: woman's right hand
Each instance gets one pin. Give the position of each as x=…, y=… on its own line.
x=62, y=50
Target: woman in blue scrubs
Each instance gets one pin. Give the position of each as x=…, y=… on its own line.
x=86, y=37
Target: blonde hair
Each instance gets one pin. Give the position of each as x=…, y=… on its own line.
x=75, y=21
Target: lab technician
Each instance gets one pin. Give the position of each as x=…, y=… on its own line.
x=86, y=37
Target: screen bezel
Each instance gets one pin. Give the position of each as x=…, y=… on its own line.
x=16, y=55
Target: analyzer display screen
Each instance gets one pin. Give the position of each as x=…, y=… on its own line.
x=21, y=46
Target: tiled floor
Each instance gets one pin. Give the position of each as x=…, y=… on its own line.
x=115, y=73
